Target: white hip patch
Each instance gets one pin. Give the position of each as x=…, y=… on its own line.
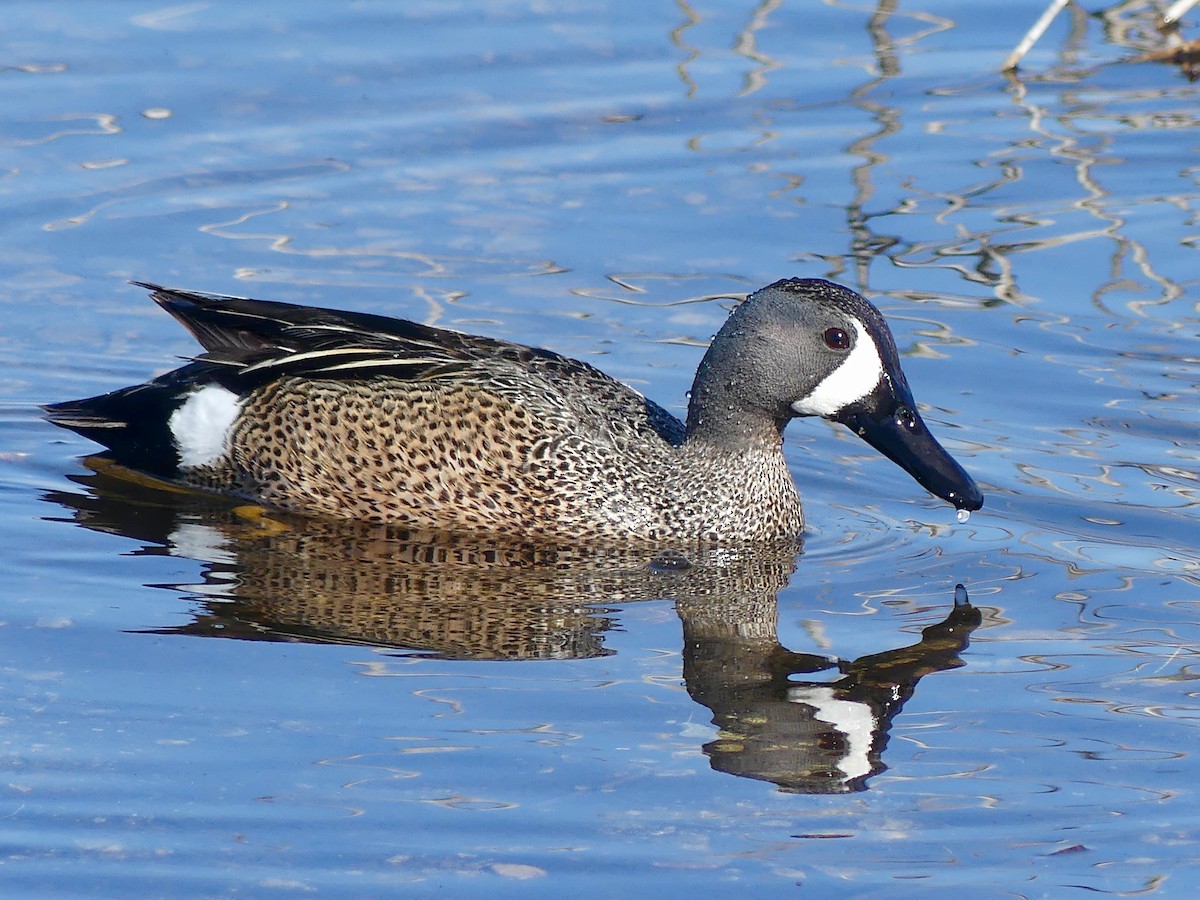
x=202, y=424
x=856, y=377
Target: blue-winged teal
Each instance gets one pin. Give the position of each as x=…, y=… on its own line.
x=366, y=417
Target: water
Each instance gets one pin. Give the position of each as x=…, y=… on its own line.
x=198, y=702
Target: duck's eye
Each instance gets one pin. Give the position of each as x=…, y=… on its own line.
x=837, y=339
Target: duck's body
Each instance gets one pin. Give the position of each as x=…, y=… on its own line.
x=366, y=417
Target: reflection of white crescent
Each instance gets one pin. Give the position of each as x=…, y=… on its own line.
x=853, y=719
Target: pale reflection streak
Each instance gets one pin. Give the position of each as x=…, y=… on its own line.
x=692, y=18
x=866, y=244
x=631, y=285
x=156, y=187
x=1096, y=202
x=431, y=266
x=167, y=19
x=745, y=43
x=993, y=265
x=86, y=216
x=106, y=123
x=423, y=265
x=37, y=68
x=1125, y=24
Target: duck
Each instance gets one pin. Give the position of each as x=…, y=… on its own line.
x=360, y=416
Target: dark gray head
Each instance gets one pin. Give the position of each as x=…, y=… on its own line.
x=809, y=347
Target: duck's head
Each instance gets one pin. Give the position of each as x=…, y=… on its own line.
x=809, y=347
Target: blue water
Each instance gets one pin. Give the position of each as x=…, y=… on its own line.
x=194, y=704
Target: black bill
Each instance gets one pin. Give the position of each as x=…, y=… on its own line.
x=888, y=420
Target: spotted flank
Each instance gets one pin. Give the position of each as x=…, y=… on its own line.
x=360, y=416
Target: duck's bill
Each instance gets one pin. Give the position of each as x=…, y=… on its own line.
x=888, y=420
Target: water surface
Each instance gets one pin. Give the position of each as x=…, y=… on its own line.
x=201, y=704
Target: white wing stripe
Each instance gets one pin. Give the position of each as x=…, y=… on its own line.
x=300, y=357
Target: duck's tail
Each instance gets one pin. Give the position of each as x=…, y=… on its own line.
x=133, y=422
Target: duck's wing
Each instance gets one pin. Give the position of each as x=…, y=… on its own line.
x=263, y=336
x=256, y=341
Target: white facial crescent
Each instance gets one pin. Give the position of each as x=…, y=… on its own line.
x=856, y=377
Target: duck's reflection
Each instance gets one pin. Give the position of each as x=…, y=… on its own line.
x=268, y=578
x=805, y=735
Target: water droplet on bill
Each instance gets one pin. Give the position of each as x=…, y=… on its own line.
x=964, y=515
